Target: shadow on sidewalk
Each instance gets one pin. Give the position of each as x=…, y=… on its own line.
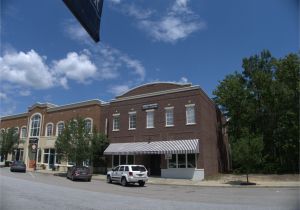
x=62, y=174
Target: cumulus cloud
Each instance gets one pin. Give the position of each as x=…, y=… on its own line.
x=118, y=89
x=76, y=67
x=176, y=24
x=26, y=69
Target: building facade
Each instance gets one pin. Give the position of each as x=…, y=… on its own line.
x=175, y=130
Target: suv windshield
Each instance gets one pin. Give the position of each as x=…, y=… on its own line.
x=138, y=168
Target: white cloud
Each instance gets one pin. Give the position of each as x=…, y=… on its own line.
x=3, y=96
x=176, y=24
x=26, y=69
x=25, y=92
x=75, y=66
x=118, y=89
x=183, y=80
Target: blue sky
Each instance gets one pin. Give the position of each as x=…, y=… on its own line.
x=46, y=56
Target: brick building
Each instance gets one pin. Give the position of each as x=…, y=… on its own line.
x=175, y=130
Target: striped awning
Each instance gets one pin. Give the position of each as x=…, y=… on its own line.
x=154, y=147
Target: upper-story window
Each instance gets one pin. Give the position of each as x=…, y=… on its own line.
x=16, y=131
x=132, y=120
x=169, y=116
x=150, y=118
x=35, y=125
x=116, y=122
x=49, y=129
x=60, y=128
x=190, y=114
x=23, y=132
x=88, y=124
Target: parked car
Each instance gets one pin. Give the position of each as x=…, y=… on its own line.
x=18, y=166
x=2, y=161
x=126, y=174
x=79, y=172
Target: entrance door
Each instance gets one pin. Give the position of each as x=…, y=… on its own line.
x=51, y=158
x=155, y=165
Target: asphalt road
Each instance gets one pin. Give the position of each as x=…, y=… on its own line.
x=34, y=191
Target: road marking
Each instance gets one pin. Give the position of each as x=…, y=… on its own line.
x=31, y=175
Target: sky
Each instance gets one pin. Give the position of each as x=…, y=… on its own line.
x=46, y=56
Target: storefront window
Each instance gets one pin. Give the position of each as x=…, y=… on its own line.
x=123, y=159
x=130, y=159
x=181, y=161
x=46, y=156
x=191, y=163
x=172, y=162
x=115, y=160
x=39, y=155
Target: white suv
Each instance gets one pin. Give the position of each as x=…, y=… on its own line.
x=128, y=174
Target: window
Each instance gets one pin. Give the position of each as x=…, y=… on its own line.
x=46, y=156
x=116, y=122
x=39, y=155
x=88, y=125
x=126, y=168
x=23, y=132
x=60, y=128
x=169, y=116
x=49, y=129
x=16, y=131
x=115, y=160
x=49, y=155
x=132, y=120
x=35, y=125
x=190, y=114
x=150, y=118
x=122, y=159
x=121, y=168
x=182, y=161
x=130, y=159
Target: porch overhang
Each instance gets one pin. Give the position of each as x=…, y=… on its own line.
x=154, y=147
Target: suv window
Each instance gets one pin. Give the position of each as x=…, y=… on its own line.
x=126, y=168
x=116, y=168
x=121, y=168
x=138, y=168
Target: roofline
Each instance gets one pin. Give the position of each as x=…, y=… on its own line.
x=8, y=117
x=152, y=83
x=175, y=90
x=77, y=104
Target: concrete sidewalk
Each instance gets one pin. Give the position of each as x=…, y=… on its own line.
x=221, y=181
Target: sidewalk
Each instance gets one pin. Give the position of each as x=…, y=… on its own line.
x=227, y=180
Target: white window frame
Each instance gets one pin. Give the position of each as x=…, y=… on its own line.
x=40, y=124
x=88, y=118
x=57, y=126
x=187, y=116
x=129, y=120
x=22, y=136
x=46, y=130
x=149, y=111
x=166, y=117
x=117, y=115
x=186, y=161
x=112, y=160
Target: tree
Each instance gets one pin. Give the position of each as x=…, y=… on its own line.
x=8, y=141
x=78, y=144
x=262, y=102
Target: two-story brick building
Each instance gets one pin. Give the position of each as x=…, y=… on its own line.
x=175, y=130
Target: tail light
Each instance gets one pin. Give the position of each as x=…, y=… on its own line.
x=130, y=174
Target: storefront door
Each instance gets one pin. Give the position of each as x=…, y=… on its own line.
x=154, y=169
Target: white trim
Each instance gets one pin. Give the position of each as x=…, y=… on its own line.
x=150, y=111
x=132, y=112
x=30, y=124
x=116, y=114
x=56, y=130
x=169, y=107
x=46, y=129
x=189, y=105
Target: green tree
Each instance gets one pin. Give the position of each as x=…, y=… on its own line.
x=8, y=141
x=76, y=143
x=264, y=101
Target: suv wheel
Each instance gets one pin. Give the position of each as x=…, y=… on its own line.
x=141, y=183
x=108, y=179
x=124, y=181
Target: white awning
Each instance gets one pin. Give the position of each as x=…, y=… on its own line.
x=154, y=147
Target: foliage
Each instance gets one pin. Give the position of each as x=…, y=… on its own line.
x=8, y=140
x=78, y=144
x=263, y=100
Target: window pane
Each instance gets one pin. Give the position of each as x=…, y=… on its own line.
x=191, y=161
x=88, y=125
x=123, y=159
x=116, y=160
x=169, y=117
x=181, y=161
x=60, y=128
x=150, y=119
x=116, y=122
x=121, y=168
x=190, y=115
x=35, y=125
x=24, y=132
x=132, y=121
x=39, y=155
x=46, y=158
x=126, y=168
x=172, y=162
x=130, y=159
x=49, y=129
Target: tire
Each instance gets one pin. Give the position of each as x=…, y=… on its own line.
x=89, y=179
x=108, y=179
x=124, y=181
x=141, y=183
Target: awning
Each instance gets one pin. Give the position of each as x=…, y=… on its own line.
x=154, y=147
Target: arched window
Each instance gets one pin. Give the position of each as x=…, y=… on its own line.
x=49, y=129
x=35, y=125
x=23, y=132
x=16, y=131
x=60, y=127
x=88, y=124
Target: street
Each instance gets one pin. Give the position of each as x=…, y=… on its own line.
x=44, y=191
